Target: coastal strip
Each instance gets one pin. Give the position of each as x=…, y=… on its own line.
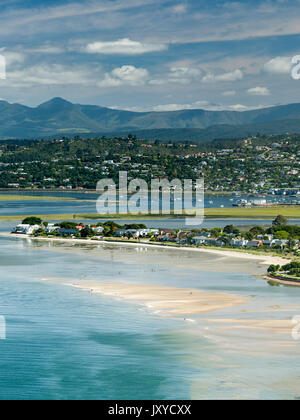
x=262, y=259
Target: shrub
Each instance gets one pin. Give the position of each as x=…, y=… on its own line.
x=273, y=268
x=294, y=272
x=290, y=266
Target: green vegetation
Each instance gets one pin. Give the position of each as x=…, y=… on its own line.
x=280, y=221
x=289, y=272
x=255, y=165
x=254, y=212
x=243, y=213
x=12, y=197
x=273, y=268
x=32, y=221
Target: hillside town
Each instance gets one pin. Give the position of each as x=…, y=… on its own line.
x=262, y=165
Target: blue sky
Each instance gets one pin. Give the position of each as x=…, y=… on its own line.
x=151, y=54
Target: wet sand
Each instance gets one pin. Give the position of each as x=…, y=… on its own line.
x=165, y=300
x=277, y=326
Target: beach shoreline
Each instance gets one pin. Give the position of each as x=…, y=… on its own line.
x=262, y=259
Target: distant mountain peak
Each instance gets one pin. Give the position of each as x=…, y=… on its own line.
x=60, y=117
x=55, y=102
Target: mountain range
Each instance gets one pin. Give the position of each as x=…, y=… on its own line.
x=59, y=117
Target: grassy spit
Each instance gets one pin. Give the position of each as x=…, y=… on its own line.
x=15, y=197
x=219, y=213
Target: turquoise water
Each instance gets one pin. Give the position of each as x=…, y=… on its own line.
x=64, y=343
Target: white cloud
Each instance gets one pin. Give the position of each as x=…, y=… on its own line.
x=49, y=75
x=46, y=49
x=33, y=19
x=12, y=57
x=229, y=93
x=179, y=9
x=124, y=46
x=238, y=107
x=184, y=75
x=259, y=91
x=178, y=107
x=125, y=75
x=178, y=72
x=195, y=105
x=181, y=75
x=279, y=65
x=225, y=77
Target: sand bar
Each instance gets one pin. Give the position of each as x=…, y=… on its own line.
x=277, y=326
x=165, y=300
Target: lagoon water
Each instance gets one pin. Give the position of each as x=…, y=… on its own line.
x=65, y=343
x=86, y=203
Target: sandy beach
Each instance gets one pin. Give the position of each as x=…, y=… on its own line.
x=276, y=326
x=262, y=259
x=165, y=300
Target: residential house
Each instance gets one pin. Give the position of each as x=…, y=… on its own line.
x=134, y=233
x=220, y=242
x=51, y=228
x=120, y=232
x=97, y=229
x=279, y=242
x=238, y=242
x=254, y=244
x=67, y=232
x=25, y=229
x=199, y=240
x=267, y=243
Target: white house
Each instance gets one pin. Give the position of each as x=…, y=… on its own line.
x=279, y=242
x=146, y=232
x=238, y=242
x=97, y=229
x=134, y=233
x=51, y=228
x=199, y=240
x=25, y=229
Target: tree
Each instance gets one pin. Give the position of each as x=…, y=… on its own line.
x=280, y=221
x=67, y=225
x=282, y=234
x=249, y=236
x=86, y=232
x=293, y=264
x=32, y=221
x=291, y=244
x=257, y=230
x=225, y=240
x=215, y=233
x=273, y=268
x=228, y=229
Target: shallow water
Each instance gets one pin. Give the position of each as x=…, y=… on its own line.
x=65, y=343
